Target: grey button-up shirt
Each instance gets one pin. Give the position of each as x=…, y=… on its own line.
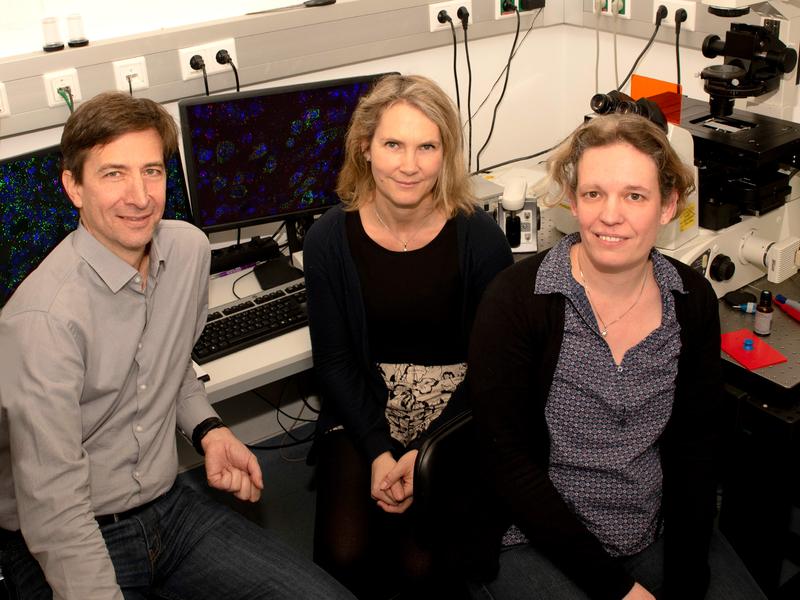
x=94, y=378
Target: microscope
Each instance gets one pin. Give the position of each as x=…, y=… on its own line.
x=748, y=212
x=743, y=221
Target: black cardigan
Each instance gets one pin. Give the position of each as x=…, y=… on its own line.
x=513, y=355
x=354, y=394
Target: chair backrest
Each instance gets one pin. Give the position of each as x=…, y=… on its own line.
x=444, y=467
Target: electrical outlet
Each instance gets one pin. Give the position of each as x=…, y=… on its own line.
x=5, y=109
x=136, y=69
x=672, y=7
x=609, y=7
x=499, y=13
x=61, y=79
x=452, y=10
x=209, y=53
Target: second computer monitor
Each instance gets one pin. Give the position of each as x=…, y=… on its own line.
x=267, y=155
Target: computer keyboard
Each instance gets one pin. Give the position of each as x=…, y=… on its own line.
x=251, y=320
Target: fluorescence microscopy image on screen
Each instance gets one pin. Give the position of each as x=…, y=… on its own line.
x=265, y=155
x=36, y=214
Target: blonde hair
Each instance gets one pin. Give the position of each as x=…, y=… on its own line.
x=639, y=132
x=452, y=191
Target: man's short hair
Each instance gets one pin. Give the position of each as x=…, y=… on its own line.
x=106, y=117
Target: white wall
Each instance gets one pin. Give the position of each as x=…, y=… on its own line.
x=20, y=20
x=552, y=80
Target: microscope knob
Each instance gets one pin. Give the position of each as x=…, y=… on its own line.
x=722, y=268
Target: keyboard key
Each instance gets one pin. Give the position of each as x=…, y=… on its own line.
x=252, y=321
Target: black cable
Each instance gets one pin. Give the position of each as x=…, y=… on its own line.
x=513, y=160
x=198, y=64
x=680, y=17
x=280, y=411
x=283, y=412
x=502, y=72
x=278, y=230
x=304, y=396
x=455, y=66
x=659, y=17
x=224, y=58
x=280, y=446
x=233, y=285
x=502, y=94
x=463, y=15
x=444, y=17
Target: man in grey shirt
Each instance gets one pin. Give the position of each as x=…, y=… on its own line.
x=95, y=377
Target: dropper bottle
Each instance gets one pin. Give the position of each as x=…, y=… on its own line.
x=763, y=321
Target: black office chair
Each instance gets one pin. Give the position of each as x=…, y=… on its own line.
x=444, y=467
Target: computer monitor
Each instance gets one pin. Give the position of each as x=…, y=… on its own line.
x=269, y=154
x=36, y=214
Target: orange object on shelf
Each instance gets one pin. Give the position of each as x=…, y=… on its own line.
x=664, y=93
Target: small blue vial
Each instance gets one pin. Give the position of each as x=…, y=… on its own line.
x=748, y=344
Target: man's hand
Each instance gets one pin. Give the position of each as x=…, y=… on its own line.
x=638, y=592
x=399, y=482
x=230, y=466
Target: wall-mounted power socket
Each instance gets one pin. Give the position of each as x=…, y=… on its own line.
x=499, y=13
x=5, y=109
x=55, y=80
x=672, y=6
x=131, y=74
x=209, y=53
x=622, y=8
x=452, y=10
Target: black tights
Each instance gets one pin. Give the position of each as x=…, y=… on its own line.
x=375, y=554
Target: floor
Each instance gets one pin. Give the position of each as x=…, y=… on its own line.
x=287, y=502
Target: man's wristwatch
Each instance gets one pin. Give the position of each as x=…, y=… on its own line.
x=202, y=429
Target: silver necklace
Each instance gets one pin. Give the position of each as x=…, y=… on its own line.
x=604, y=326
x=403, y=242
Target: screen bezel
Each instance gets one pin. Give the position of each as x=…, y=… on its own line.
x=191, y=165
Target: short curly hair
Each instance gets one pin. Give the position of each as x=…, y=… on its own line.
x=639, y=132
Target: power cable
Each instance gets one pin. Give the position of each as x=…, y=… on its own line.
x=513, y=160
x=463, y=15
x=502, y=93
x=224, y=58
x=502, y=72
x=198, y=64
x=680, y=17
x=444, y=17
x=660, y=14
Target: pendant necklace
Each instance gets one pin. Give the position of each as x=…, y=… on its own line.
x=604, y=327
x=403, y=242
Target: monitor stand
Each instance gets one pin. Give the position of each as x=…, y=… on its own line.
x=296, y=229
x=275, y=272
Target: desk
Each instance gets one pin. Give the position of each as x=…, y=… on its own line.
x=258, y=365
x=761, y=485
